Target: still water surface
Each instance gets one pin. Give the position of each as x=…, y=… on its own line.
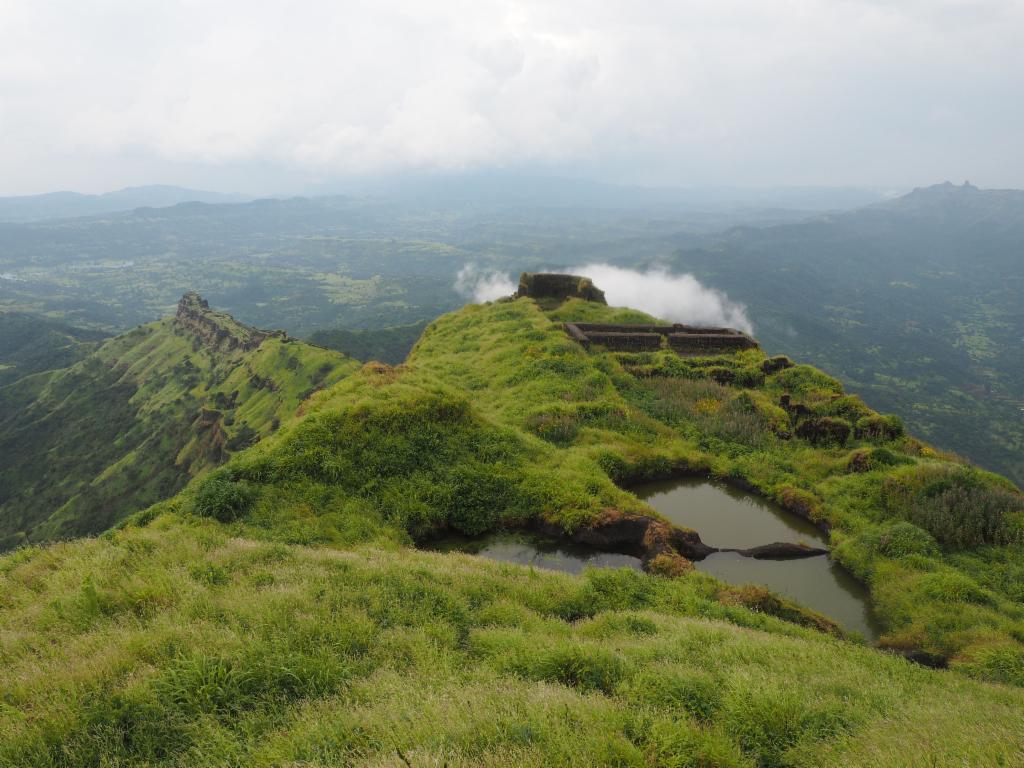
x=728, y=517
x=724, y=517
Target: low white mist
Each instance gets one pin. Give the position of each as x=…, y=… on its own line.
x=681, y=298
x=480, y=285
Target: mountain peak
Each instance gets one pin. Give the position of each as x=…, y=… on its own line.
x=217, y=329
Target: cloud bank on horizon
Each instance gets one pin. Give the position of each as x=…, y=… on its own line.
x=734, y=92
x=680, y=298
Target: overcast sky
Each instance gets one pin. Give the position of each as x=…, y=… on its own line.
x=268, y=96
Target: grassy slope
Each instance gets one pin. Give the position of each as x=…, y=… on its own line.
x=133, y=421
x=180, y=640
x=181, y=644
x=963, y=603
x=30, y=344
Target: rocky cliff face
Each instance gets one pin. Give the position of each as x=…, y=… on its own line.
x=217, y=329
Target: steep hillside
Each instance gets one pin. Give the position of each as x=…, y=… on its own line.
x=914, y=304
x=30, y=344
x=276, y=611
x=133, y=421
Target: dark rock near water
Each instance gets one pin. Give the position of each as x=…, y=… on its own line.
x=646, y=537
x=780, y=550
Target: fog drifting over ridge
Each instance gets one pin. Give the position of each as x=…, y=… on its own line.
x=679, y=298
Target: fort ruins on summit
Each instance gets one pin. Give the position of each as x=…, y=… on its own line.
x=682, y=339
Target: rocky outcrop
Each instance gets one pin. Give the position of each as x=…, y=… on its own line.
x=217, y=329
x=544, y=285
x=653, y=541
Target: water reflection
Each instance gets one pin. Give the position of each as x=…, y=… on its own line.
x=526, y=549
x=728, y=517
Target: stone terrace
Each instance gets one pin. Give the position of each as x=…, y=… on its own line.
x=684, y=339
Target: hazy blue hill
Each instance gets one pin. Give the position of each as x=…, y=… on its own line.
x=55, y=205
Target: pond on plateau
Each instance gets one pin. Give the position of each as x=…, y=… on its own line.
x=727, y=517
x=724, y=517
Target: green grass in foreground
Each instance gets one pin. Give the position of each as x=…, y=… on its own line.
x=182, y=645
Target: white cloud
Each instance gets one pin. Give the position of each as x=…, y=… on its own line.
x=737, y=91
x=680, y=298
x=483, y=285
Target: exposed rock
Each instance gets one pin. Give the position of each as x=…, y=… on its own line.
x=545, y=285
x=762, y=600
x=926, y=659
x=217, y=329
x=660, y=545
x=780, y=550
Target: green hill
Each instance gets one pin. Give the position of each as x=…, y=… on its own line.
x=276, y=612
x=30, y=344
x=135, y=419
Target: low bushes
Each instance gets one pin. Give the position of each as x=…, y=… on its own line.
x=961, y=507
x=826, y=430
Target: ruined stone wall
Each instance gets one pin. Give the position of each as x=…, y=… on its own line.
x=683, y=339
x=544, y=285
x=705, y=343
x=627, y=342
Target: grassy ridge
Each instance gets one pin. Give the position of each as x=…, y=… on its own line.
x=133, y=421
x=499, y=419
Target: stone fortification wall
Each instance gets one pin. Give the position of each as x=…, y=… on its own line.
x=545, y=285
x=683, y=339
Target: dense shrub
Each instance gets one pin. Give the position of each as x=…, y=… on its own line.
x=804, y=380
x=952, y=587
x=826, y=430
x=798, y=501
x=900, y=540
x=870, y=459
x=878, y=427
x=959, y=506
x=849, y=407
x=556, y=425
x=223, y=499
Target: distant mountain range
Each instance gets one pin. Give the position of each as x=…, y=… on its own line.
x=58, y=205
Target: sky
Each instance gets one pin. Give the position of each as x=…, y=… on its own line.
x=272, y=97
